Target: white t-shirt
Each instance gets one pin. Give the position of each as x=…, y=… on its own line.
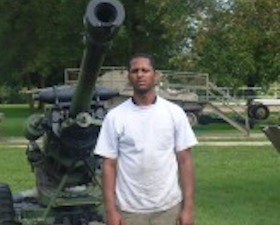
x=144, y=139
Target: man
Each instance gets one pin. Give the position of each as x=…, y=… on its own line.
x=145, y=142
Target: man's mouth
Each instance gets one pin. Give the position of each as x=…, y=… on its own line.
x=141, y=82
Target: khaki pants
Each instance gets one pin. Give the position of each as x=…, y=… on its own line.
x=167, y=217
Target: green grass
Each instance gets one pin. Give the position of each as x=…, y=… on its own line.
x=237, y=185
x=234, y=185
x=14, y=169
x=14, y=118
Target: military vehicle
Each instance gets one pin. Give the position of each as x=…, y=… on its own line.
x=67, y=189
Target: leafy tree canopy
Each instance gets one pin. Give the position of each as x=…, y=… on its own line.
x=238, y=42
x=234, y=41
x=43, y=37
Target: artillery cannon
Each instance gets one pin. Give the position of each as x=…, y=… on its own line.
x=67, y=190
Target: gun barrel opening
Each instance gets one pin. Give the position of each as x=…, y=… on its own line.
x=106, y=13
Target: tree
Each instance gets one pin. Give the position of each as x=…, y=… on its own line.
x=40, y=38
x=238, y=43
x=160, y=27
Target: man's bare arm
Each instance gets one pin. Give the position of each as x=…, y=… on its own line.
x=113, y=217
x=186, y=175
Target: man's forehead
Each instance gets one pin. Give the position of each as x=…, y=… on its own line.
x=140, y=61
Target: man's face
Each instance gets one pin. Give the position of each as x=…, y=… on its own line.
x=141, y=75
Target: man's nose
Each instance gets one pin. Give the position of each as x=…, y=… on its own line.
x=140, y=73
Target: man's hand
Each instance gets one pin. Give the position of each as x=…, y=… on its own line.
x=185, y=217
x=114, y=218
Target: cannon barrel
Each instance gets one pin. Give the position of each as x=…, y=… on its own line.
x=102, y=19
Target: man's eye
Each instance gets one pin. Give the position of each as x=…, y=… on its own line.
x=140, y=70
x=145, y=70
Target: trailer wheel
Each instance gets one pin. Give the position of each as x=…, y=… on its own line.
x=192, y=118
x=251, y=109
x=261, y=112
x=7, y=211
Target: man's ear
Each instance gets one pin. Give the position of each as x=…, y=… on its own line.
x=158, y=76
x=127, y=76
x=128, y=80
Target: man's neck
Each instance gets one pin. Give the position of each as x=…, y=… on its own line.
x=144, y=99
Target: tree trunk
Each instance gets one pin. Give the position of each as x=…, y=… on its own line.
x=27, y=79
x=41, y=105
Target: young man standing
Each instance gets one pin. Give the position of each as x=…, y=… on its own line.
x=145, y=143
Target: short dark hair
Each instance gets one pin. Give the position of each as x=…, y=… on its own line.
x=142, y=55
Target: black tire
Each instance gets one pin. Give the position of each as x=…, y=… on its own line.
x=7, y=211
x=251, y=109
x=261, y=112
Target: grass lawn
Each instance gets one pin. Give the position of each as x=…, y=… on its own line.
x=14, y=118
x=234, y=185
x=14, y=169
x=237, y=185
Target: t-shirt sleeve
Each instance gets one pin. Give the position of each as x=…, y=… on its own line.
x=184, y=135
x=106, y=145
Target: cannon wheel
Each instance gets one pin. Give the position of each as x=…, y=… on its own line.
x=7, y=211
